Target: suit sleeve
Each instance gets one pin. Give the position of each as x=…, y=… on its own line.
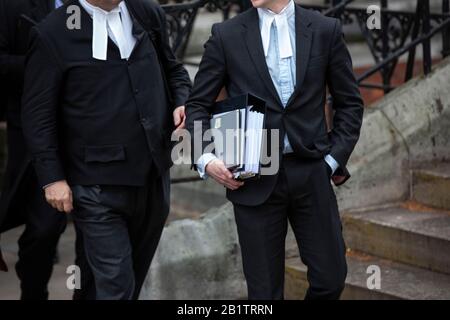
x=347, y=100
x=210, y=79
x=177, y=76
x=43, y=76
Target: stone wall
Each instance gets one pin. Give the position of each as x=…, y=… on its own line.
x=191, y=198
x=198, y=259
x=406, y=128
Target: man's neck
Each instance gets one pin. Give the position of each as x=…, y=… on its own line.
x=106, y=5
x=278, y=6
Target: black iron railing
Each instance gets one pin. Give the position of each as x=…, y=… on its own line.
x=181, y=18
x=401, y=31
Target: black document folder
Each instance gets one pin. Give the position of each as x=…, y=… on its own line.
x=237, y=127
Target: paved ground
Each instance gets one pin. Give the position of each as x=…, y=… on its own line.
x=9, y=284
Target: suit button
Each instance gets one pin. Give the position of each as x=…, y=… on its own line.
x=136, y=91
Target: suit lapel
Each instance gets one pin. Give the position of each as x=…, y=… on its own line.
x=138, y=30
x=303, y=40
x=252, y=38
x=39, y=9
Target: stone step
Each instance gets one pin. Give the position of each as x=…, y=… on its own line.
x=409, y=233
x=397, y=281
x=431, y=185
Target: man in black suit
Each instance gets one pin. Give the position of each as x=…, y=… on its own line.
x=99, y=108
x=21, y=199
x=285, y=55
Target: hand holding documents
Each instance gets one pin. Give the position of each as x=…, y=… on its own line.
x=237, y=129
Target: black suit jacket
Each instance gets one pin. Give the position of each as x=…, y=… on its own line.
x=16, y=21
x=234, y=58
x=99, y=122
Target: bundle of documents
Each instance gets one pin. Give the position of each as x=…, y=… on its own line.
x=238, y=135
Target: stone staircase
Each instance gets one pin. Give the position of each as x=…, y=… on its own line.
x=409, y=242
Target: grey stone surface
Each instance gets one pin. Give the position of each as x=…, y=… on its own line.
x=420, y=238
x=409, y=127
x=208, y=186
x=201, y=31
x=398, y=281
x=198, y=259
x=194, y=197
x=9, y=283
x=431, y=186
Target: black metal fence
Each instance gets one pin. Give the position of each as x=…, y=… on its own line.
x=181, y=17
x=402, y=32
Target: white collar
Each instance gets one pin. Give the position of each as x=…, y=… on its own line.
x=288, y=10
x=267, y=17
x=116, y=24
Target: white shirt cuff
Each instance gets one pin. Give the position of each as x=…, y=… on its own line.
x=202, y=162
x=332, y=163
x=48, y=185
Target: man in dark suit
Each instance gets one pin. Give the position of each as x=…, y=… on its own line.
x=99, y=108
x=21, y=199
x=285, y=55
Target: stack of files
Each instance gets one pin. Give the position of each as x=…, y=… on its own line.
x=237, y=129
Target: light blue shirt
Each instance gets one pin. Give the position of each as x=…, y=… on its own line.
x=58, y=3
x=282, y=70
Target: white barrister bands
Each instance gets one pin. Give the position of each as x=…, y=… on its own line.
x=116, y=24
x=281, y=23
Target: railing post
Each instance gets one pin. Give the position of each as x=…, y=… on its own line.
x=385, y=44
x=427, y=42
x=446, y=31
x=412, y=53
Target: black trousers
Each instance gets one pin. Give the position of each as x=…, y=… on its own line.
x=303, y=196
x=37, y=244
x=87, y=290
x=118, y=229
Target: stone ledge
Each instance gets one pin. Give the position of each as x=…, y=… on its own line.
x=416, y=237
x=431, y=186
x=398, y=281
x=411, y=125
x=198, y=259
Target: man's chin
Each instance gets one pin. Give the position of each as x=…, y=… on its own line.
x=257, y=3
